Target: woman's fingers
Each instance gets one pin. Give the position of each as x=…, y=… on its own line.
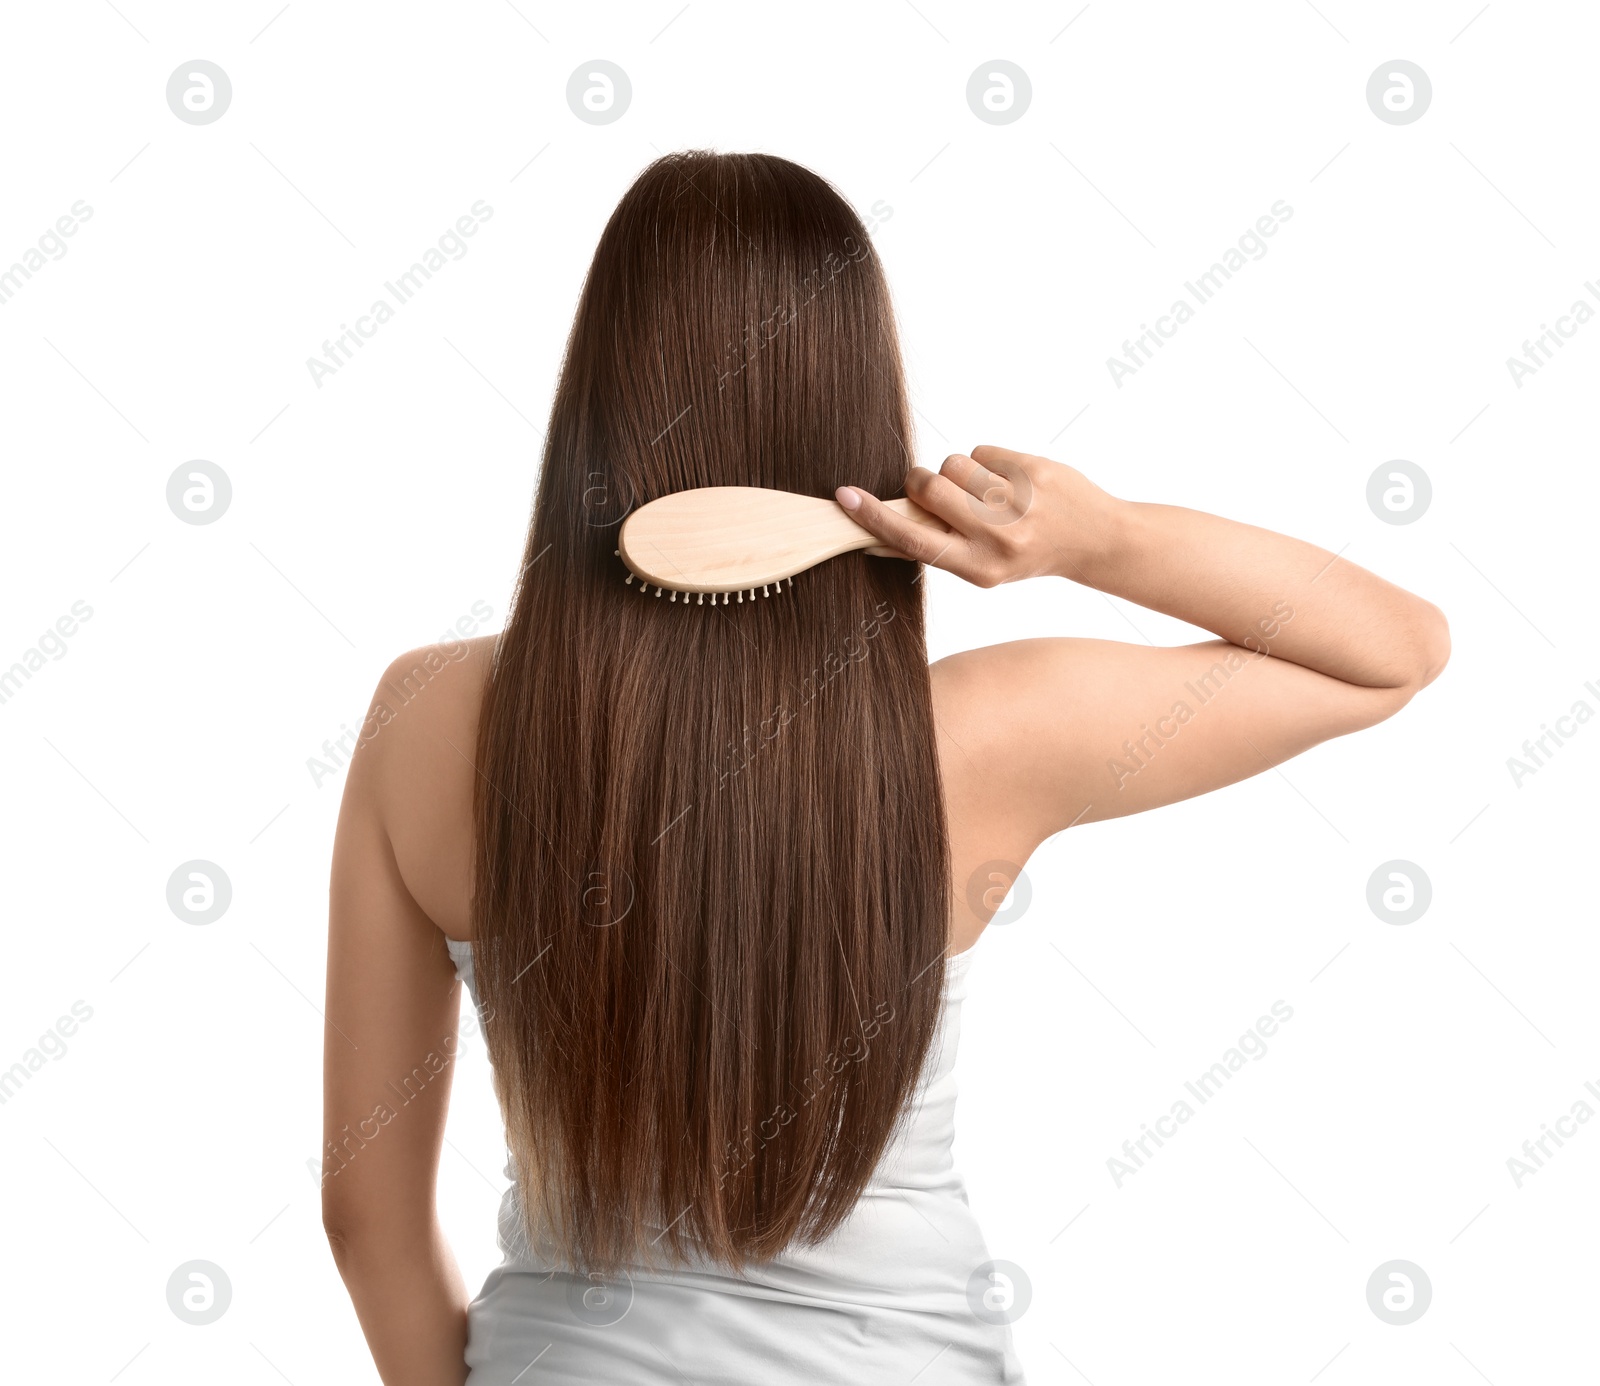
x=986, y=454
x=986, y=502
x=971, y=476
x=1001, y=480
x=921, y=543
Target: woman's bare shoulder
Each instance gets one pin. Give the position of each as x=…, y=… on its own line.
x=979, y=742
x=420, y=741
x=991, y=833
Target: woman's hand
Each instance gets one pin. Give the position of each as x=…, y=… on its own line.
x=1011, y=515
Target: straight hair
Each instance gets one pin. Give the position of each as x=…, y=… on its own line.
x=711, y=866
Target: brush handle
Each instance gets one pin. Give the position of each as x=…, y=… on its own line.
x=732, y=538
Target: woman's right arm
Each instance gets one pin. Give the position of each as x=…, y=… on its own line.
x=1309, y=645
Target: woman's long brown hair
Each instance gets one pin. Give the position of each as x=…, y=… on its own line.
x=711, y=866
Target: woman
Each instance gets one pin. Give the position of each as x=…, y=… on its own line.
x=715, y=875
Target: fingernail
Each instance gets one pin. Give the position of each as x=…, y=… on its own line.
x=847, y=497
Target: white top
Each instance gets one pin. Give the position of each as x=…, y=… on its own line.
x=898, y=1291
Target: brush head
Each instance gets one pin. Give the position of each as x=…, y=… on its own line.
x=719, y=540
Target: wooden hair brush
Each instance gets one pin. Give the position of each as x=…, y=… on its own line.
x=723, y=540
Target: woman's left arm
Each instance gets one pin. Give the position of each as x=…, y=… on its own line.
x=393, y=1006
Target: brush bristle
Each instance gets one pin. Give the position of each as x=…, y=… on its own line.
x=768, y=589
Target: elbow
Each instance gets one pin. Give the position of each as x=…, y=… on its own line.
x=336, y=1227
x=1426, y=653
x=364, y=1236
x=1433, y=645
x=346, y=1225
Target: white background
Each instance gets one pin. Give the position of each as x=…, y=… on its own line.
x=372, y=512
